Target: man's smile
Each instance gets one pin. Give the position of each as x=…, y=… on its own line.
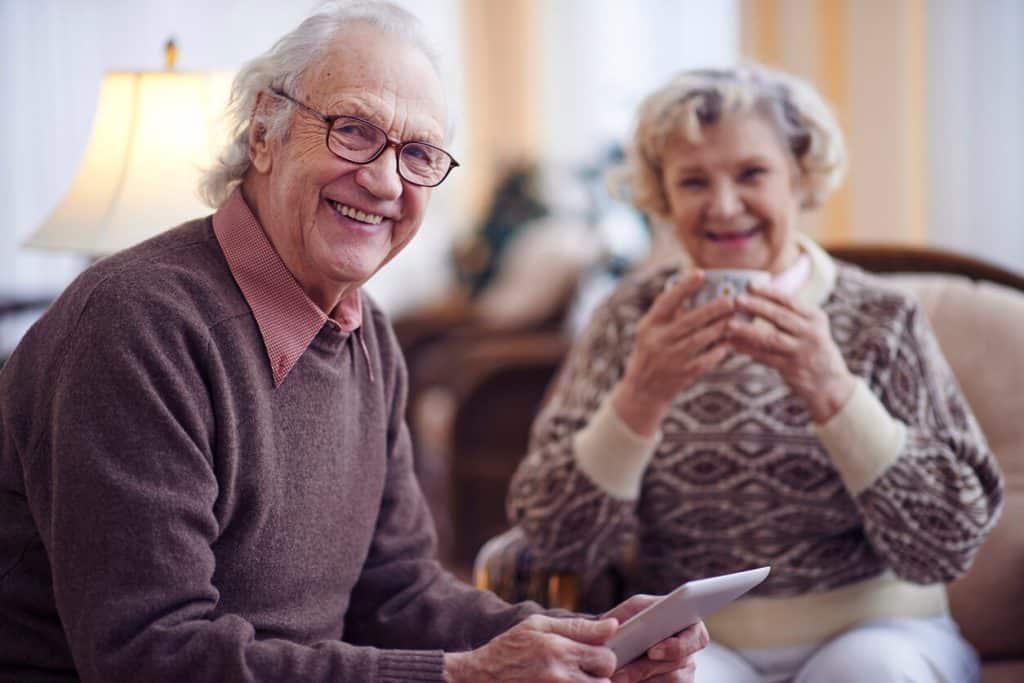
x=354, y=213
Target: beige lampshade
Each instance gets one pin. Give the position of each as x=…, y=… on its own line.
x=153, y=134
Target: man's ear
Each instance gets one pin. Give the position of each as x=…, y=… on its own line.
x=259, y=142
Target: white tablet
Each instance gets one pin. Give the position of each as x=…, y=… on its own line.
x=683, y=607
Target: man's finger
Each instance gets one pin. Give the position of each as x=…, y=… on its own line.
x=640, y=670
x=682, y=645
x=681, y=675
x=586, y=631
x=595, y=660
x=630, y=606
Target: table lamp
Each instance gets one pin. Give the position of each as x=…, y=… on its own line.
x=153, y=134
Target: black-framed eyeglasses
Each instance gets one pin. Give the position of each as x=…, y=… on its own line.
x=360, y=142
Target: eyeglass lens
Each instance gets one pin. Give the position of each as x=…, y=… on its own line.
x=359, y=141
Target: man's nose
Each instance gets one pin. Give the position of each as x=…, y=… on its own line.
x=724, y=202
x=380, y=177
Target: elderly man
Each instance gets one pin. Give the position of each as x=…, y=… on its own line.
x=205, y=474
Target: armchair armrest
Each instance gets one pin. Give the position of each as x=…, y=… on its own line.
x=505, y=566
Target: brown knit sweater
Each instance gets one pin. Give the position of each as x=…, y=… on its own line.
x=739, y=476
x=166, y=514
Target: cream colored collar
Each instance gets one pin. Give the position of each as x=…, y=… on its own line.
x=822, y=280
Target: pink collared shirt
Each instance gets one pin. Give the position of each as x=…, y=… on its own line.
x=288, y=319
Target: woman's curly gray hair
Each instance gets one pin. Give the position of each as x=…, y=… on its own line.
x=282, y=68
x=694, y=99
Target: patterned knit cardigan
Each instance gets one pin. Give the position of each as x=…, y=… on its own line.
x=739, y=477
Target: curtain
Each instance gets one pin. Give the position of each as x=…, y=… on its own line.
x=976, y=128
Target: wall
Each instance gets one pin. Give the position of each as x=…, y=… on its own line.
x=54, y=54
x=930, y=96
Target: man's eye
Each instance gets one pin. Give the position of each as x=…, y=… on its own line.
x=417, y=153
x=692, y=182
x=355, y=133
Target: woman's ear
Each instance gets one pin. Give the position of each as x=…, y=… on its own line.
x=801, y=187
x=259, y=142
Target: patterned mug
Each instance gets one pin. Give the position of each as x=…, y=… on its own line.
x=726, y=282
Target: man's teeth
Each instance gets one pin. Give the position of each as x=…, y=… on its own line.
x=349, y=212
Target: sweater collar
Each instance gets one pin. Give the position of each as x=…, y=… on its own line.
x=822, y=278
x=288, y=319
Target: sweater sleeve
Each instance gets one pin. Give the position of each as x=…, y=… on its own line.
x=403, y=597
x=575, y=505
x=929, y=488
x=126, y=512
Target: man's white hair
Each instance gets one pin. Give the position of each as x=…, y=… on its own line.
x=691, y=100
x=282, y=67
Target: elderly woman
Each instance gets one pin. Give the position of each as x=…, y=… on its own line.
x=810, y=424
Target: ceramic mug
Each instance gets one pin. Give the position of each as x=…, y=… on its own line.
x=726, y=282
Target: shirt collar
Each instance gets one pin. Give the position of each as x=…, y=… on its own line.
x=287, y=318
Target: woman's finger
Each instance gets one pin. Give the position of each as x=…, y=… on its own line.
x=775, y=294
x=776, y=361
x=705, y=360
x=670, y=302
x=692, y=342
x=704, y=315
x=749, y=336
x=776, y=313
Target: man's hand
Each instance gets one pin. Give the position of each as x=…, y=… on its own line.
x=539, y=650
x=671, y=660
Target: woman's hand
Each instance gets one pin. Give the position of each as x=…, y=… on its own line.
x=674, y=346
x=797, y=343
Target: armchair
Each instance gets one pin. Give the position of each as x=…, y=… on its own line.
x=977, y=311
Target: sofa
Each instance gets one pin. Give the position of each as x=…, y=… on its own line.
x=977, y=311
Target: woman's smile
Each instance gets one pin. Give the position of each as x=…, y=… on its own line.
x=732, y=239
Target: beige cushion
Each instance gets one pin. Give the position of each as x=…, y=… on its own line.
x=980, y=327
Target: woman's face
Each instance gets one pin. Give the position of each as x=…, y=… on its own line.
x=734, y=197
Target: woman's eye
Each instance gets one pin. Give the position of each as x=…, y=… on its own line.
x=753, y=172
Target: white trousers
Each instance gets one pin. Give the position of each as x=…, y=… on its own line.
x=882, y=651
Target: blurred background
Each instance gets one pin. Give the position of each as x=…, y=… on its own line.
x=524, y=237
